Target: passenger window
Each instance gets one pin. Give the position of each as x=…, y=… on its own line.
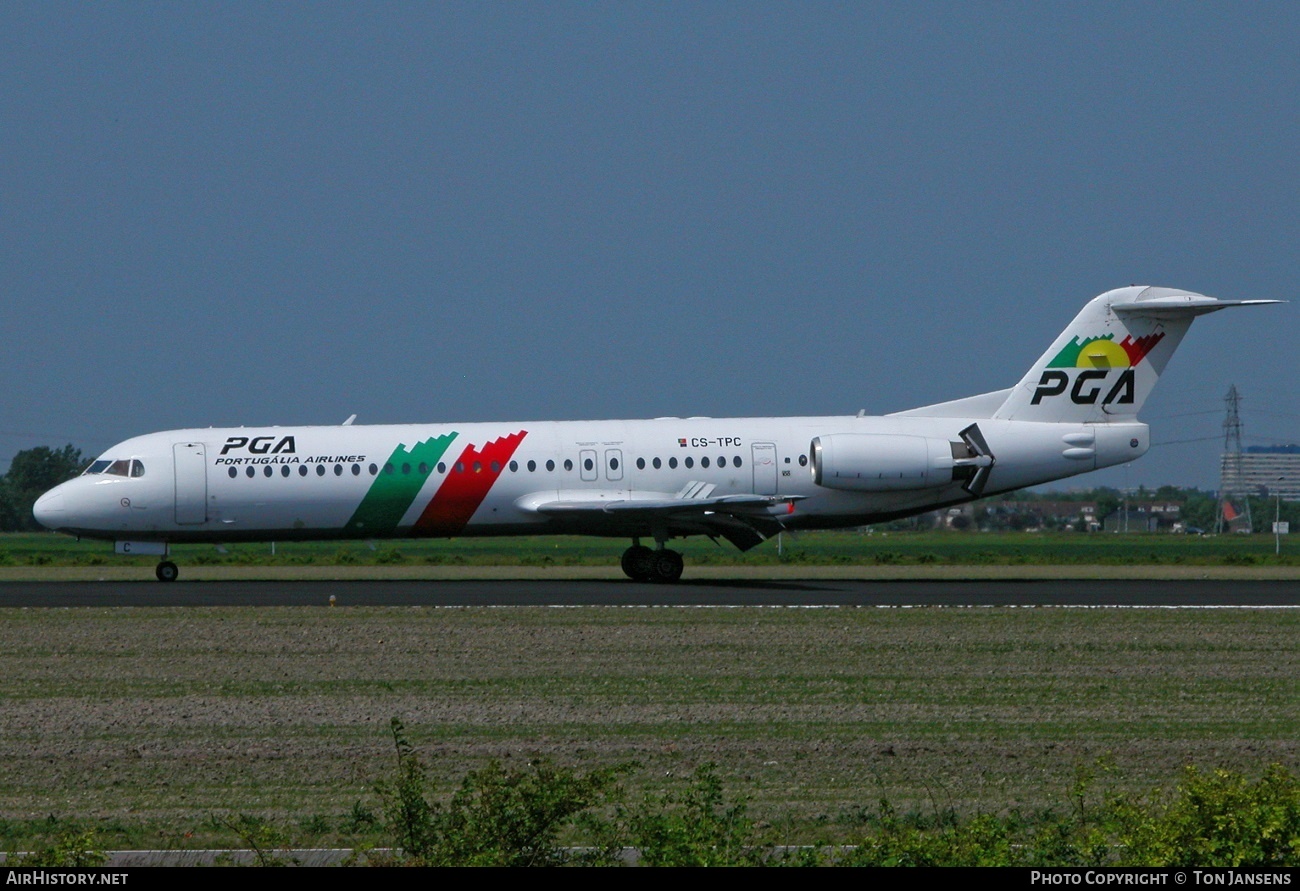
x=388, y=468
x=460, y=467
x=568, y=463
x=338, y=470
x=722, y=461
x=267, y=471
x=640, y=463
x=356, y=470
x=424, y=469
x=689, y=462
x=406, y=470
x=657, y=463
x=514, y=466
x=496, y=466
x=613, y=464
x=550, y=465
x=704, y=462
x=233, y=473
x=442, y=467
x=302, y=470
x=250, y=472
x=478, y=466
x=672, y=462
x=320, y=469
x=284, y=470
x=736, y=460
x=588, y=464
x=532, y=465
x=373, y=470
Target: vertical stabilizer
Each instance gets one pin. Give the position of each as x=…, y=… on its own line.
x=1106, y=362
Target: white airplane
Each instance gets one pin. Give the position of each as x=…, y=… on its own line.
x=742, y=479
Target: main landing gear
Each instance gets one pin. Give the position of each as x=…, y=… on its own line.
x=167, y=571
x=643, y=564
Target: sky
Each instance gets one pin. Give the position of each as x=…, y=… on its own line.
x=255, y=213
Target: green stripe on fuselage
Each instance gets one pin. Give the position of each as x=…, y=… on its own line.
x=393, y=491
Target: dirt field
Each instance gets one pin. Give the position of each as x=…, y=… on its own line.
x=172, y=715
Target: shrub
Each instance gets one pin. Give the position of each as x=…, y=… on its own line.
x=72, y=849
x=497, y=817
x=1215, y=819
x=695, y=828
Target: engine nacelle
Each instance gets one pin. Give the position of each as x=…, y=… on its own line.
x=880, y=462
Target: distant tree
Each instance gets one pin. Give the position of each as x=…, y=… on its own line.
x=1173, y=493
x=32, y=472
x=1200, y=509
x=1108, y=501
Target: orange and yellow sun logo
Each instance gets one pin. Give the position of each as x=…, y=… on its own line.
x=1104, y=352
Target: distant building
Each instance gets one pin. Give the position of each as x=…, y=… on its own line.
x=1080, y=515
x=1265, y=470
x=1146, y=516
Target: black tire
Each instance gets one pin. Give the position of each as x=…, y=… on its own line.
x=668, y=566
x=167, y=571
x=638, y=563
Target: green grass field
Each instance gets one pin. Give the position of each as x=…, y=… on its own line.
x=145, y=723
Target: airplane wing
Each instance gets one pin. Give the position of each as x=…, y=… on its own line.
x=744, y=520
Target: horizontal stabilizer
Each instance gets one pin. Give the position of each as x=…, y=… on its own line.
x=1181, y=304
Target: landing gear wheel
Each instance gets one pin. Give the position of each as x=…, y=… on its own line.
x=668, y=566
x=167, y=571
x=638, y=563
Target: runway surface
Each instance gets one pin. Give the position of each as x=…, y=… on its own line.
x=720, y=593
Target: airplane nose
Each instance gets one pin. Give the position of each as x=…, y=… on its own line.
x=48, y=509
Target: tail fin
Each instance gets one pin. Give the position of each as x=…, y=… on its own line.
x=1107, y=361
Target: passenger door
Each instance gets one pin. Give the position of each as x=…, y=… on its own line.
x=765, y=475
x=190, y=463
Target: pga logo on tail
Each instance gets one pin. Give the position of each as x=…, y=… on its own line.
x=1097, y=356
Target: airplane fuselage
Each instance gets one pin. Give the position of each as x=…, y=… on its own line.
x=742, y=479
x=446, y=480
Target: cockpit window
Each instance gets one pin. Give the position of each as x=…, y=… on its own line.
x=120, y=467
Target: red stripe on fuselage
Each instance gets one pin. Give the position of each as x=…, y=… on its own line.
x=468, y=481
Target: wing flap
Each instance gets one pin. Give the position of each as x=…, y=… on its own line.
x=663, y=505
x=745, y=520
